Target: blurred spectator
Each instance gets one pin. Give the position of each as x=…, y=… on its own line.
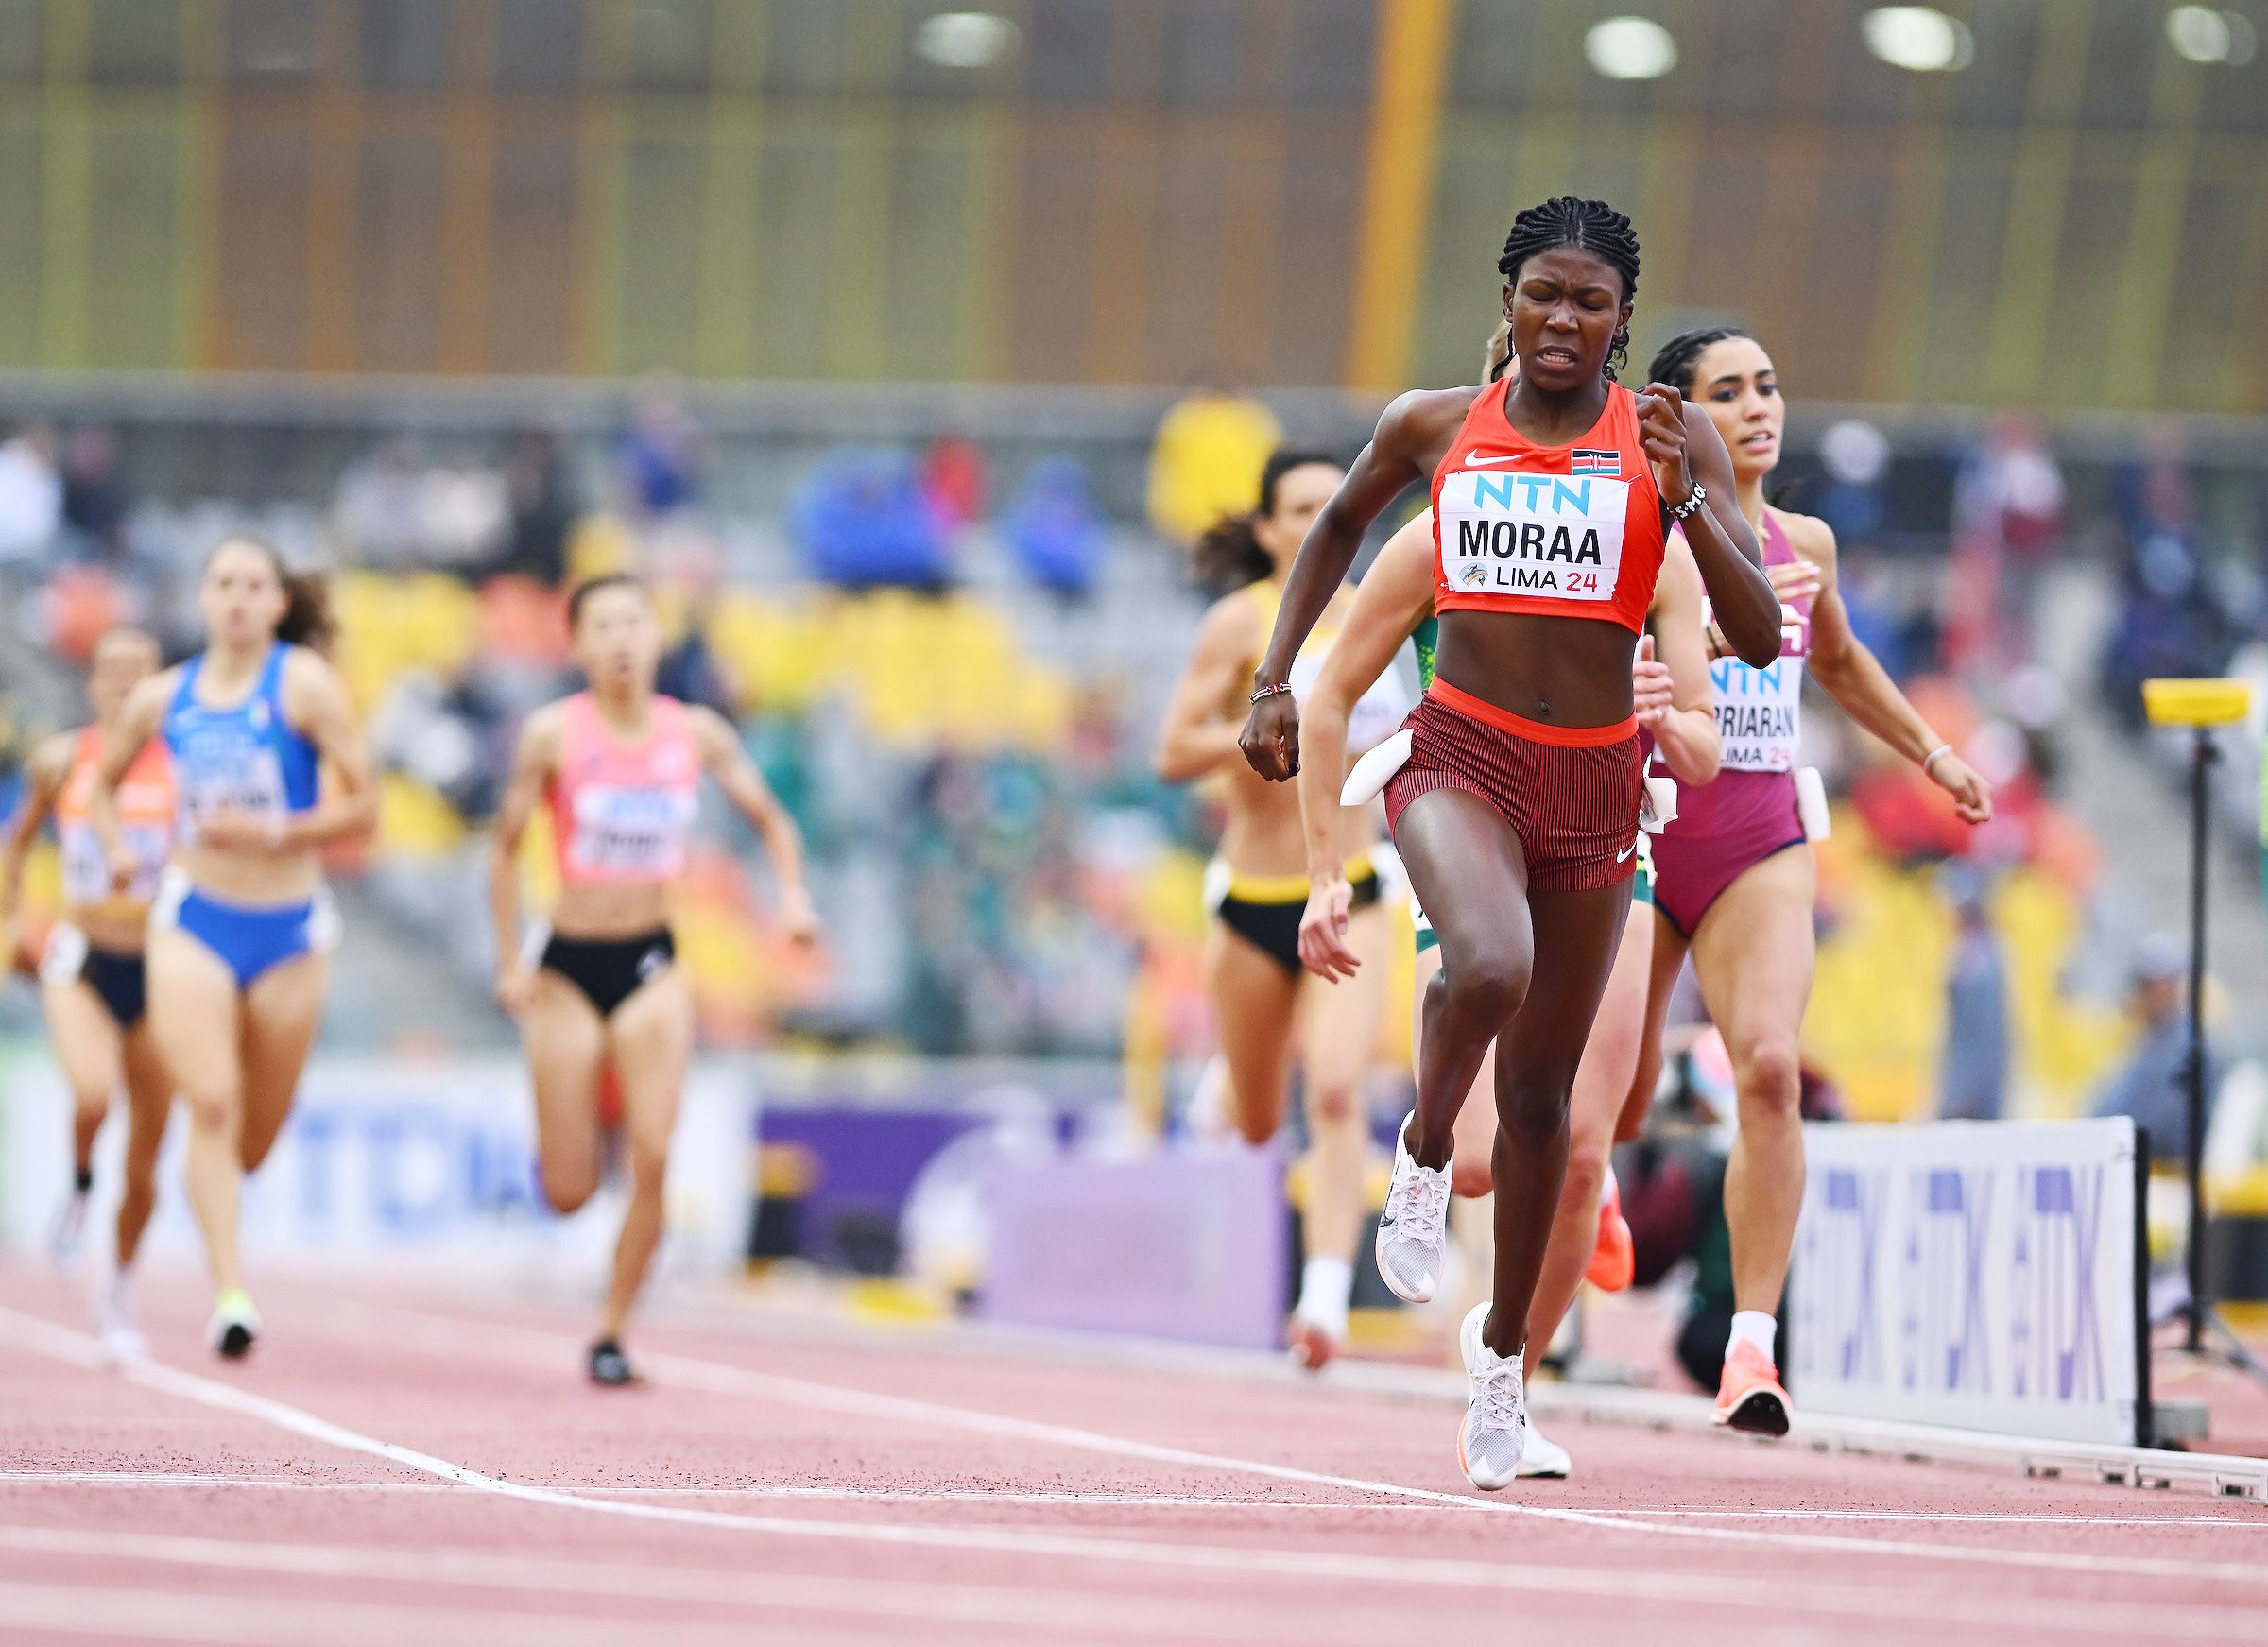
x=862, y=523
x=79, y=605
x=1875, y=622
x=2007, y=522
x=2149, y=1085
x=397, y=513
x=445, y=735
x=1973, y=1073
x=2169, y=621
x=955, y=480
x=378, y=506
x=687, y=575
x=1053, y=525
x=542, y=510
x=1673, y=1188
x=464, y=510
x=95, y=497
x=1206, y=460
x=659, y=450
x=1856, y=457
x=32, y=495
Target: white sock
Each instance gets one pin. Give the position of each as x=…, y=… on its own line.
x=1324, y=1285
x=1753, y=1326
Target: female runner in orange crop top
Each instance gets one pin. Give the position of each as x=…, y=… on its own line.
x=92, y=984
x=1517, y=814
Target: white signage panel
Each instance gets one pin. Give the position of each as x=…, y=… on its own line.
x=1974, y=1274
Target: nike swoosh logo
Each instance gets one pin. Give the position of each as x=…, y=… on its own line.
x=1623, y=855
x=1474, y=460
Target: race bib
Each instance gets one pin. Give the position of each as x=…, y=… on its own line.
x=1532, y=536
x=225, y=769
x=631, y=832
x=87, y=867
x=1760, y=714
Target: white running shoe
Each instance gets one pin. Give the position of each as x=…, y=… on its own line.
x=1542, y=1458
x=1496, y=1417
x=234, y=1327
x=114, y=1326
x=1413, y=1231
x=66, y=1240
x=1207, y=1116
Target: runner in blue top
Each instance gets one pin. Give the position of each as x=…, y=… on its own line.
x=241, y=933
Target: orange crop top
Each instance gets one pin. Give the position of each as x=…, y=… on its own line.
x=145, y=805
x=1568, y=531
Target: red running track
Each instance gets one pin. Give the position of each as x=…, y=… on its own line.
x=398, y=1465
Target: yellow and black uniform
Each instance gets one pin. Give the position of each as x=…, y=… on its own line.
x=1264, y=910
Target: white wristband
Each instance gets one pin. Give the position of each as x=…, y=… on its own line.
x=1930, y=760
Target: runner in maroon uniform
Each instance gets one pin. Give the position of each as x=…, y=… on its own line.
x=1734, y=871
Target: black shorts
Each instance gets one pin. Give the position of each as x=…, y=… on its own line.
x=116, y=976
x=1273, y=927
x=120, y=980
x=610, y=971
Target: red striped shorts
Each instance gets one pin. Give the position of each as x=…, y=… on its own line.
x=1572, y=796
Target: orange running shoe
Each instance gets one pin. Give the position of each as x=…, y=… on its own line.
x=1614, y=1260
x=1749, y=1397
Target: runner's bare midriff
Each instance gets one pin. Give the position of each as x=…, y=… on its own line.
x=251, y=880
x=595, y=913
x=1562, y=671
x=1262, y=834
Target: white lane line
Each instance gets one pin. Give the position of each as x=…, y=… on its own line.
x=132, y=1481
x=2254, y=1522
x=1736, y=1592
x=1071, y=1498
x=130, y=1478
x=452, y=1336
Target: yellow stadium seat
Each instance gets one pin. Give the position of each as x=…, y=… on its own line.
x=391, y=625
x=2063, y=1046
x=414, y=821
x=599, y=544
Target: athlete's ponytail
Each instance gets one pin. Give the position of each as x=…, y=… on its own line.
x=1229, y=557
x=307, y=620
x=1496, y=359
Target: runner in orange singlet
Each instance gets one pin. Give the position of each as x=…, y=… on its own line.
x=1517, y=812
x=91, y=979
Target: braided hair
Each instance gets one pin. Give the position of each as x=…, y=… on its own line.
x=1675, y=361
x=1591, y=226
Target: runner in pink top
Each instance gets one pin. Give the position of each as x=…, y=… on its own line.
x=1748, y=813
x=599, y=985
x=1735, y=879
x=621, y=811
